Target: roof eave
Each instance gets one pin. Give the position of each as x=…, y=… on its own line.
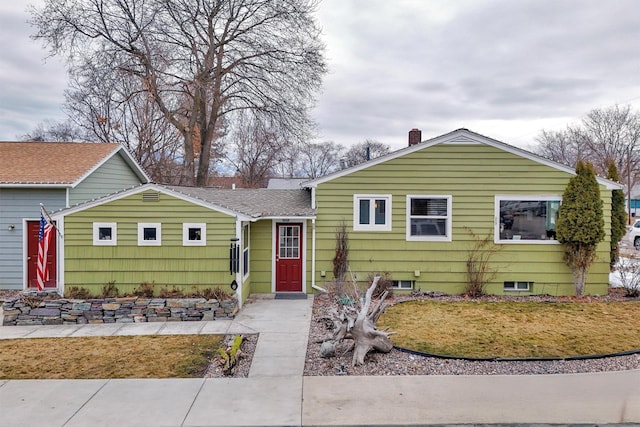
x=128, y=158
x=35, y=184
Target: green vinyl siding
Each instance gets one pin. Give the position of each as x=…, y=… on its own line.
x=261, y=255
x=129, y=265
x=262, y=247
x=114, y=175
x=473, y=174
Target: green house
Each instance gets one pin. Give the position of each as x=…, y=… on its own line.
x=187, y=238
x=412, y=214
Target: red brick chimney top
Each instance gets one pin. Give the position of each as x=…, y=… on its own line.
x=415, y=136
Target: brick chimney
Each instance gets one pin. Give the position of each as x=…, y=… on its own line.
x=415, y=136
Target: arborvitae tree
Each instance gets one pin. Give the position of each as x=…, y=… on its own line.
x=580, y=225
x=618, y=215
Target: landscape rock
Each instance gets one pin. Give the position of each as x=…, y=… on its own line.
x=60, y=311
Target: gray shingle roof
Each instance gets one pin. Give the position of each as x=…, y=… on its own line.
x=254, y=202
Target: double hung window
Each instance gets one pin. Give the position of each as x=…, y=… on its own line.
x=429, y=218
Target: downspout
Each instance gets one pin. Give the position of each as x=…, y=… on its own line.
x=313, y=257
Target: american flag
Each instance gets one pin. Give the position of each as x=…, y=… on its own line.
x=44, y=237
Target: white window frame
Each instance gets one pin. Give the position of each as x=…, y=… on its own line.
x=523, y=198
x=185, y=234
x=372, y=198
x=96, y=234
x=449, y=218
x=515, y=286
x=397, y=285
x=246, y=253
x=142, y=226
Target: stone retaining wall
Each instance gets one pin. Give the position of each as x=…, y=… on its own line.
x=37, y=310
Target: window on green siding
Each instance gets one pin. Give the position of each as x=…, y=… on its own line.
x=105, y=234
x=194, y=234
x=245, y=249
x=429, y=218
x=518, y=286
x=403, y=284
x=526, y=219
x=149, y=234
x=372, y=212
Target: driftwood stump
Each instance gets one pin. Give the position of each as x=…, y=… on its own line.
x=358, y=323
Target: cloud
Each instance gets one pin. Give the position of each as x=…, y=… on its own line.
x=397, y=65
x=32, y=88
x=500, y=67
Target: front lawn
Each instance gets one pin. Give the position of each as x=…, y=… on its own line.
x=150, y=356
x=514, y=329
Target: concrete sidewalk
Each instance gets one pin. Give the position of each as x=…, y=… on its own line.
x=277, y=394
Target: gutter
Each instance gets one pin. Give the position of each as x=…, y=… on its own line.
x=313, y=257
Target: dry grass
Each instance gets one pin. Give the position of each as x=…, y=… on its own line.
x=153, y=356
x=514, y=330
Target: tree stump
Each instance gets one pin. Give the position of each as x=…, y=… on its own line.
x=358, y=323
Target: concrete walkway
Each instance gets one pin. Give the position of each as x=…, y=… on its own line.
x=277, y=394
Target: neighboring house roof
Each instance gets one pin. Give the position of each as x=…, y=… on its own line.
x=458, y=136
x=59, y=164
x=256, y=202
x=248, y=204
x=285, y=183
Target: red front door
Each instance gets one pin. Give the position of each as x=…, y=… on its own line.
x=33, y=227
x=288, y=257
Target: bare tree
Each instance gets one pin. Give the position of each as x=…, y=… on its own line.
x=366, y=150
x=51, y=131
x=289, y=164
x=111, y=106
x=256, y=149
x=198, y=60
x=559, y=146
x=319, y=159
x=603, y=136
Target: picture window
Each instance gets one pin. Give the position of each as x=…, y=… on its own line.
x=526, y=219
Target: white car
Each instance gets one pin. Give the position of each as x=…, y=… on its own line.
x=634, y=234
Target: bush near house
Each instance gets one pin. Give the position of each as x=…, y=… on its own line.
x=580, y=225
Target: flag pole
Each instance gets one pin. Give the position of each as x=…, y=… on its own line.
x=50, y=220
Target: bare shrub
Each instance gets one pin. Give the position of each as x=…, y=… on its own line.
x=144, y=290
x=110, y=290
x=216, y=293
x=384, y=284
x=629, y=272
x=174, y=292
x=479, y=271
x=341, y=258
x=78, y=292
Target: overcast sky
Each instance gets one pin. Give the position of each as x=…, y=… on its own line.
x=502, y=68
